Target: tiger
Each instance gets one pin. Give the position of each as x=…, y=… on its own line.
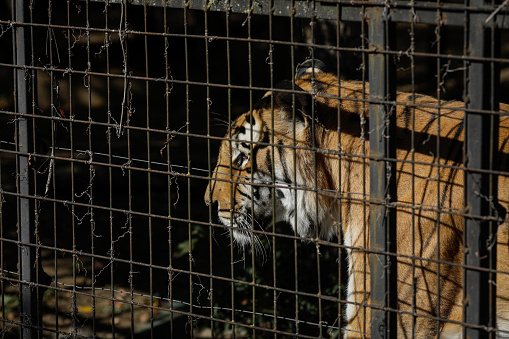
x=301, y=155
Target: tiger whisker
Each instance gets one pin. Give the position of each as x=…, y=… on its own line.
x=247, y=220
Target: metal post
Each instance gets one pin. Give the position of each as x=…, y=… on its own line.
x=382, y=184
x=481, y=147
x=28, y=302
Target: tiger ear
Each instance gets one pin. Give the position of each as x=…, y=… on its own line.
x=284, y=101
x=309, y=66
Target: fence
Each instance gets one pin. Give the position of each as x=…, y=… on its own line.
x=112, y=114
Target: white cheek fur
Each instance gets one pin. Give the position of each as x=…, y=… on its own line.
x=256, y=134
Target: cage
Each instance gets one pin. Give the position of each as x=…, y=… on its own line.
x=359, y=150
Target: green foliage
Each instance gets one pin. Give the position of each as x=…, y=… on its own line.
x=285, y=287
x=183, y=248
x=277, y=301
x=11, y=303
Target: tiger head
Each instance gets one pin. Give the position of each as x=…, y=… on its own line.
x=257, y=180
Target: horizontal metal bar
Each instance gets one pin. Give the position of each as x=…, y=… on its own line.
x=250, y=283
x=396, y=53
x=418, y=12
x=78, y=291
x=221, y=226
x=178, y=271
x=80, y=288
x=185, y=174
x=205, y=275
x=195, y=315
x=159, y=308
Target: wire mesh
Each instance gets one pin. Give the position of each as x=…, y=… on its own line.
x=113, y=115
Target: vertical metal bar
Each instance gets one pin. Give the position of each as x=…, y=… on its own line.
x=341, y=259
x=3, y=328
x=41, y=276
x=168, y=89
x=273, y=168
x=250, y=84
x=2, y=285
x=149, y=177
x=495, y=209
x=230, y=165
x=481, y=144
x=294, y=155
x=439, y=80
x=211, y=228
x=412, y=145
x=188, y=163
x=51, y=179
x=126, y=109
x=314, y=147
x=365, y=212
x=91, y=175
x=72, y=170
x=111, y=251
x=382, y=183
x=28, y=303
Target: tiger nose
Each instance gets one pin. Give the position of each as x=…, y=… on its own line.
x=207, y=200
x=209, y=197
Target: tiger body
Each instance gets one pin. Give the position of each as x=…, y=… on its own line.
x=283, y=152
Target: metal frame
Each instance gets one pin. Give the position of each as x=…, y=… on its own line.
x=422, y=11
x=27, y=258
x=383, y=221
x=481, y=133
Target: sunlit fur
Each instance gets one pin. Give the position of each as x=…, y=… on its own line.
x=259, y=161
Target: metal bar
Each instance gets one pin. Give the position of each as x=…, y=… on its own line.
x=294, y=155
x=174, y=81
x=91, y=177
x=28, y=302
x=365, y=188
x=438, y=37
x=230, y=165
x=341, y=260
x=2, y=284
x=412, y=143
x=382, y=183
x=271, y=5
x=126, y=110
x=425, y=12
x=250, y=84
x=481, y=146
x=209, y=167
x=188, y=160
x=110, y=174
x=168, y=90
x=149, y=177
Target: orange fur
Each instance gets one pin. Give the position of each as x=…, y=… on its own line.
x=426, y=194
